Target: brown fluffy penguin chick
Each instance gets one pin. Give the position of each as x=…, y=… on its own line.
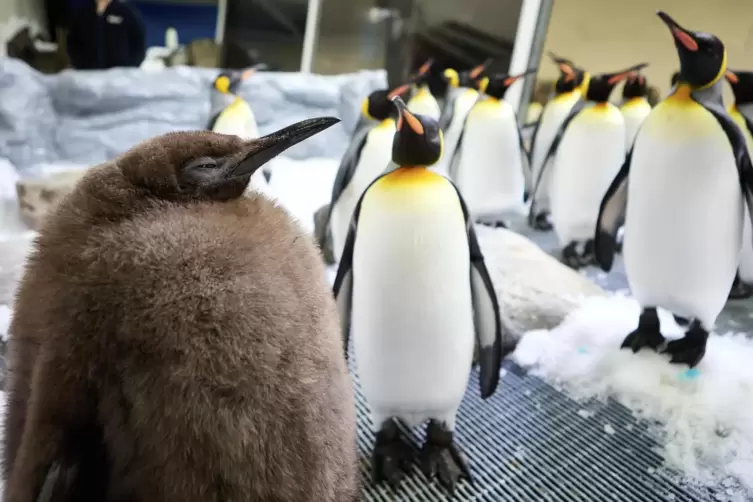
x=190, y=325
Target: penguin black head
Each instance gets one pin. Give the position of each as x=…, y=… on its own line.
x=635, y=86
x=229, y=81
x=742, y=85
x=570, y=75
x=496, y=85
x=203, y=165
x=378, y=105
x=675, y=78
x=465, y=78
x=703, y=58
x=601, y=86
x=418, y=139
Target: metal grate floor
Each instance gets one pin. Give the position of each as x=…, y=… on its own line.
x=531, y=443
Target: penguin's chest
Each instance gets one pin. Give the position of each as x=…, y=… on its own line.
x=635, y=112
x=423, y=103
x=489, y=171
x=591, y=153
x=552, y=118
x=412, y=317
x=684, y=208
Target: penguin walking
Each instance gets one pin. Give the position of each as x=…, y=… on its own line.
x=462, y=95
x=490, y=162
x=635, y=106
x=681, y=189
x=568, y=90
x=364, y=160
x=741, y=112
x=584, y=158
x=231, y=114
x=174, y=340
x=423, y=101
x=414, y=293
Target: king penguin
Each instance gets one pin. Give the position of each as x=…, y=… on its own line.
x=462, y=95
x=635, y=107
x=490, y=162
x=414, y=292
x=423, y=101
x=584, y=158
x=569, y=88
x=681, y=191
x=231, y=114
x=741, y=111
x=364, y=160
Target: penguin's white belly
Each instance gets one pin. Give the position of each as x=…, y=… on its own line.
x=684, y=213
x=589, y=156
x=425, y=104
x=412, y=320
x=461, y=107
x=555, y=113
x=489, y=172
x=634, y=114
x=375, y=156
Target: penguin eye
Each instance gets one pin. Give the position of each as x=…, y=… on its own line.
x=201, y=163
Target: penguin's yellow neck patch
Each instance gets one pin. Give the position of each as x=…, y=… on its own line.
x=681, y=96
x=386, y=123
x=409, y=178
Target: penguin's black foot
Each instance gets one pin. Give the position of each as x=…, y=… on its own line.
x=647, y=334
x=392, y=455
x=740, y=290
x=571, y=257
x=691, y=348
x=441, y=457
x=588, y=256
x=490, y=222
x=541, y=222
x=682, y=321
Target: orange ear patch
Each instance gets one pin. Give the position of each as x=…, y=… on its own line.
x=731, y=77
x=397, y=91
x=618, y=77
x=685, y=39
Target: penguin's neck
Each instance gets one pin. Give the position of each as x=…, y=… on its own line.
x=386, y=123
x=221, y=100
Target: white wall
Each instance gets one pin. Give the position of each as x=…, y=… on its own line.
x=24, y=8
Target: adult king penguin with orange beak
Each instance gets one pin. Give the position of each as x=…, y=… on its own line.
x=414, y=293
x=681, y=191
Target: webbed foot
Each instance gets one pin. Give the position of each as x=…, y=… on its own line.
x=392, y=455
x=441, y=458
x=647, y=334
x=691, y=348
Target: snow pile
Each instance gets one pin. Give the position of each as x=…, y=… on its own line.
x=706, y=412
x=303, y=186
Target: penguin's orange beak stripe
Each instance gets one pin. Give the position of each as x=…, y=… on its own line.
x=397, y=91
x=425, y=67
x=685, y=39
x=248, y=73
x=568, y=71
x=620, y=76
x=412, y=122
x=477, y=70
x=731, y=77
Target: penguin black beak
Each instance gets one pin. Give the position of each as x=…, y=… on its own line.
x=732, y=77
x=406, y=117
x=514, y=78
x=617, y=77
x=681, y=35
x=478, y=70
x=398, y=91
x=262, y=150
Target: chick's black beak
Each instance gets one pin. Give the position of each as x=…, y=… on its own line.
x=681, y=35
x=262, y=150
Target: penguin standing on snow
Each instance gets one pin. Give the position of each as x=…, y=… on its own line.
x=363, y=162
x=423, y=101
x=569, y=88
x=231, y=114
x=414, y=292
x=490, y=162
x=635, y=106
x=461, y=97
x=681, y=189
x=584, y=157
x=742, y=113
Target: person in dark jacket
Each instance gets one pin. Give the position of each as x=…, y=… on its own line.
x=106, y=34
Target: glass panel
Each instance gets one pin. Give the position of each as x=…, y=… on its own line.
x=267, y=31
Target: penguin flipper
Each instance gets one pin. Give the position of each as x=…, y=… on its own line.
x=494, y=338
x=576, y=109
x=345, y=173
x=343, y=286
x=445, y=119
x=611, y=216
x=213, y=121
x=739, y=147
x=525, y=156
